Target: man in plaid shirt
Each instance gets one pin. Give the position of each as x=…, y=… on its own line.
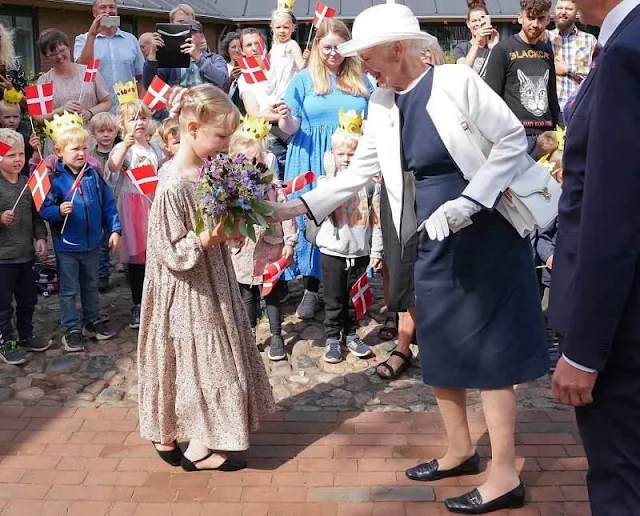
x=573, y=50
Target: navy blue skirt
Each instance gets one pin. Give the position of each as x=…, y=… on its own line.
x=478, y=313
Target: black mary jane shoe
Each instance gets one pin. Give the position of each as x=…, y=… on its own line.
x=227, y=465
x=471, y=503
x=431, y=470
x=172, y=457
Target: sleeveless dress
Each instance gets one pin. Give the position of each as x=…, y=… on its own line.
x=478, y=314
x=283, y=69
x=318, y=116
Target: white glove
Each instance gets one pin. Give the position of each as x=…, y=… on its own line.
x=449, y=218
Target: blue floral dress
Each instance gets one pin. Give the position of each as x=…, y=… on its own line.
x=319, y=120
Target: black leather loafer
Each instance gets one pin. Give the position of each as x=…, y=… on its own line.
x=227, y=465
x=171, y=457
x=471, y=503
x=431, y=470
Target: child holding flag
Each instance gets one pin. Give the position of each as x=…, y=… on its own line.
x=349, y=241
x=20, y=225
x=79, y=207
x=252, y=258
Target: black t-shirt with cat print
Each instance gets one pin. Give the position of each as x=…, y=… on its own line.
x=524, y=76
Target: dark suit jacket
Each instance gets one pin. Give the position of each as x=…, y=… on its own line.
x=595, y=286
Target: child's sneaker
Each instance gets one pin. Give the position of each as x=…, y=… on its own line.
x=72, y=341
x=332, y=351
x=276, y=348
x=35, y=343
x=10, y=352
x=134, y=320
x=357, y=347
x=308, y=306
x=99, y=330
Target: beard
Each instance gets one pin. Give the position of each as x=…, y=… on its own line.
x=565, y=24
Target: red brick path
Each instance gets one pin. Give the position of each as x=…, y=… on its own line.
x=92, y=462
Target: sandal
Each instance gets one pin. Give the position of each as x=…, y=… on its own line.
x=171, y=457
x=389, y=330
x=406, y=362
x=227, y=465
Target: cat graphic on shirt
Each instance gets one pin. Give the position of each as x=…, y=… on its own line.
x=533, y=93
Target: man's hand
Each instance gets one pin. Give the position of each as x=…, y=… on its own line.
x=7, y=217
x=287, y=253
x=96, y=28
x=571, y=386
x=190, y=49
x=376, y=264
x=41, y=248
x=549, y=262
x=561, y=68
x=66, y=208
x=114, y=242
x=156, y=43
x=285, y=210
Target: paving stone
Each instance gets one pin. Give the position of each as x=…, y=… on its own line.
x=111, y=395
x=64, y=365
x=304, y=363
x=117, y=380
x=30, y=394
x=340, y=393
x=21, y=383
x=5, y=393
x=98, y=365
x=96, y=387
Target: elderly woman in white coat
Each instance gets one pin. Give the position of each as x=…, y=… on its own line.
x=448, y=148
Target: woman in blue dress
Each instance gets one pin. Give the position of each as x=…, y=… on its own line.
x=314, y=97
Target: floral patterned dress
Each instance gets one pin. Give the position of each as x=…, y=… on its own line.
x=200, y=373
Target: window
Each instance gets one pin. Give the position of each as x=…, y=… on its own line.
x=22, y=23
x=128, y=24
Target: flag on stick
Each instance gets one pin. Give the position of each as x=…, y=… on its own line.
x=271, y=275
x=251, y=70
x=298, y=183
x=92, y=70
x=264, y=54
x=39, y=99
x=4, y=148
x=361, y=296
x=322, y=12
x=156, y=96
x=144, y=179
x=39, y=184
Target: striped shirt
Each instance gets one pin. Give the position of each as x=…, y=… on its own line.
x=575, y=50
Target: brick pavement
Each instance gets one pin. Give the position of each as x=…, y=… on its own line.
x=58, y=461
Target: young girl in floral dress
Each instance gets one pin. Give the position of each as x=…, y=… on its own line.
x=133, y=207
x=201, y=376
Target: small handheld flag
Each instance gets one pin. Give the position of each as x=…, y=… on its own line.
x=39, y=184
x=251, y=70
x=92, y=70
x=271, y=275
x=4, y=148
x=298, y=183
x=156, y=96
x=39, y=99
x=144, y=179
x=361, y=296
x=322, y=12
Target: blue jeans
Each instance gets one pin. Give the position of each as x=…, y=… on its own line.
x=532, y=142
x=78, y=269
x=104, y=269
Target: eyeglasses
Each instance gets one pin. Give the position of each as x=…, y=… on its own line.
x=327, y=51
x=57, y=53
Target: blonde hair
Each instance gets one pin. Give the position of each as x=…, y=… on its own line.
x=4, y=106
x=7, y=50
x=170, y=126
x=241, y=143
x=350, y=79
x=340, y=137
x=70, y=135
x=127, y=112
x=437, y=55
x=547, y=146
x=11, y=137
x=185, y=8
x=208, y=104
x=282, y=14
x=104, y=120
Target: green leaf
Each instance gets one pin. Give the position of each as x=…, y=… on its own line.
x=199, y=224
x=251, y=232
x=261, y=220
x=243, y=227
x=228, y=225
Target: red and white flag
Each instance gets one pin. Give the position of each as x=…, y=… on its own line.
x=251, y=69
x=156, y=96
x=39, y=184
x=76, y=184
x=92, y=70
x=361, y=296
x=271, y=275
x=264, y=54
x=39, y=99
x=322, y=12
x=144, y=179
x=298, y=183
x=4, y=148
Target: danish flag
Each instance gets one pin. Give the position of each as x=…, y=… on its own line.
x=264, y=54
x=39, y=99
x=361, y=296
x=144, y=179
x=91, y=71
x=251, y=70
x=271, y=275
x=298, y=183
x=156, y=96
x=4, y=148
x=76, y=184
x=322, y=12
x=39, y=184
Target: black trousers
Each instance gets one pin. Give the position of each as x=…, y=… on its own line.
x=610, y=432
x=251, y=299
x=136, y=272
x=17, y=281
x=337, y=280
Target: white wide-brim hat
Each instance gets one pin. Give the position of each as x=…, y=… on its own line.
x=382, y=24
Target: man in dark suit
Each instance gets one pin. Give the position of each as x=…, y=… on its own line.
x=595, y=285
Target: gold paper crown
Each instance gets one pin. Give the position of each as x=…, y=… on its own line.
x=256, y=128
x=12, y=96
x=286, y=5
x=127, y=92
x=350, y=122
x=561, y=134
x=60, y=123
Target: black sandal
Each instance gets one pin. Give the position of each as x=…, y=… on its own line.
x=227, y=465
x=389, y=330
x=406, y=362
x=171, y=457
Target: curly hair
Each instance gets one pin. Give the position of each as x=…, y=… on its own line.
x=535, y=8
x=224, y=44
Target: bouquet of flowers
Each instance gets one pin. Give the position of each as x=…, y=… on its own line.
x=233, y=191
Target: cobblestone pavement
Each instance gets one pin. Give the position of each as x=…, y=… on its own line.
x=106, y=372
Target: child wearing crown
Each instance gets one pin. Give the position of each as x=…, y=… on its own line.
x=134, y=207
x=251, y=258
x=10, y=116
x=349, y=241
